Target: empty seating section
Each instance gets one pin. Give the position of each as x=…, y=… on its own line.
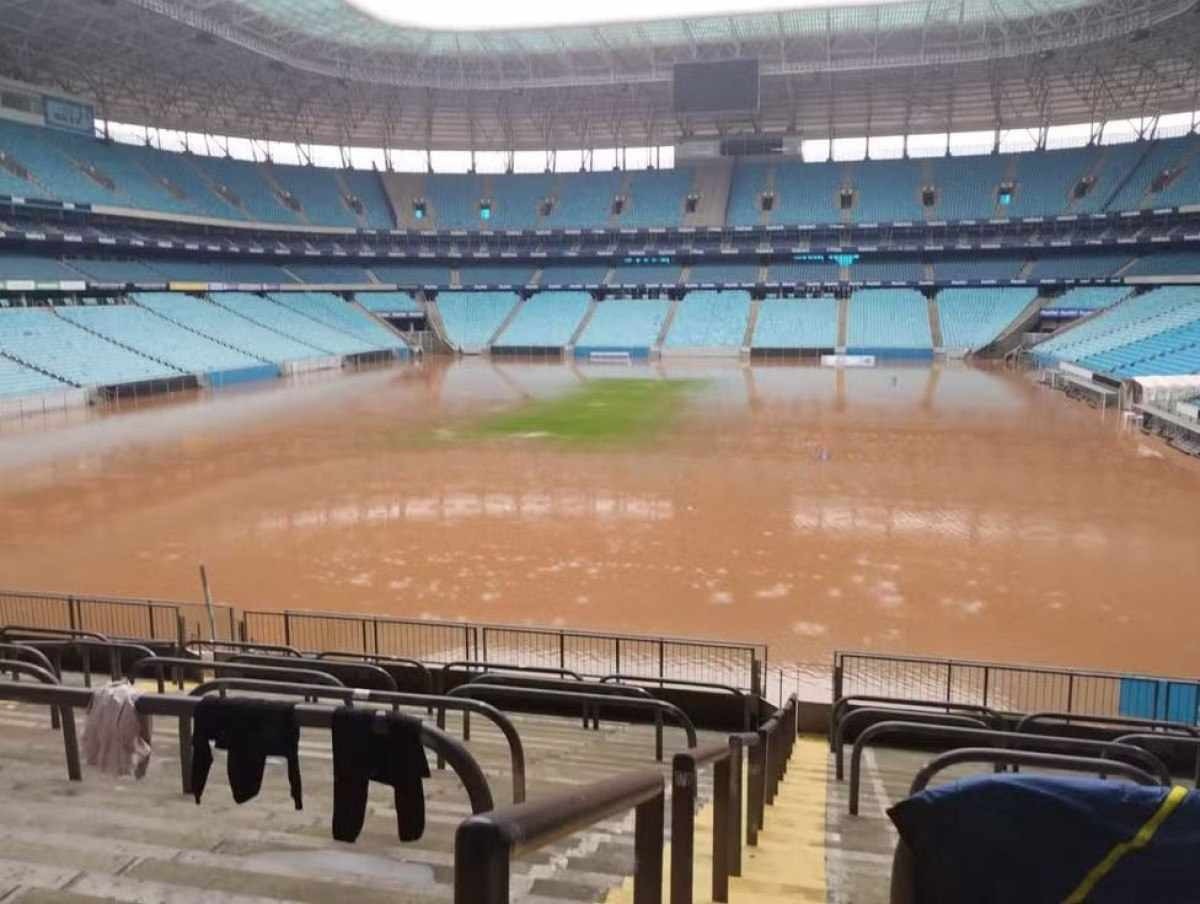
x=56, y=175
x=1079, y=266
x=367, y=188
x=546, y=320
x=178, y=176
x=965, y=187
x=973, y=318
x=17, y=379
x=995, y=267
x=899, y=269
x=341, y=316
x=645, y=275
x=39, y=269
x=412, y=274
x=573, y=274
x=1184, y=186
x=710, y=320
x=583, y=200
x=1166, y=263
x=794, y=323
x=801, y=272
x=886, y=192
x=745, y=193
x=1112, y=164
x=472, y=318
x=155, y=336
x=1089, y=298
x=454, y=200
x=1136, y=192
x=656, y=198
x=388, y=302
x=1045, y=180
x=496, y=275
x=1173, y=352
x=624, y=324
x=330, y=274
x=888, y=320
x=224, y=326
x=1125, y=324
x=221, y=272
x=248, y=184
x=516, y=200
x=318, y=193
x=724, y=274
x=114, y=271
x=275, y=316
x=807, y=193
x=42, y=339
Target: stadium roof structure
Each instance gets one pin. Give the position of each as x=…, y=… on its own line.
x=323, y=71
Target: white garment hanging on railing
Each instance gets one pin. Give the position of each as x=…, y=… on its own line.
x=116, y=738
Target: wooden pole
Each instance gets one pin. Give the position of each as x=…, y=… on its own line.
x=212, y=621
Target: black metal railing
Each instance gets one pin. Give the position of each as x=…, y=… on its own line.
x=143, y=619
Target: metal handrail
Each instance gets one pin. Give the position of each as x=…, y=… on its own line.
x=612, y=690
x=245, y=669
x=329, y=666
x=684, y=781
x=50, y=632
x=747, y=700
x=658, y=707
x=1004, y=738
x=396, y=699
x=476, y=665
x=216, y=645
x=376, y=658
x=1138, y=738
x=1026, y=758
x=861, y=715
x=1102, y=721
x=843, y=703
x=22, y=649
x=485, y=844
x=85, y=645
x=65, y=715
x=307, y=716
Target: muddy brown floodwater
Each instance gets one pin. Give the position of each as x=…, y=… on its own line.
x=947, y=510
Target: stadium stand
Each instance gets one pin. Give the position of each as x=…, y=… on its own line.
x=1166, y=263
x=888, y=322
x=516, y=199
x=39, y=269
x=897, y=269
x=886, y=192
x=645, y=275
x=1172, y=352
x=366, y=189
x=1078, y=266
x=621, y=324
x=730, y=274
x=115, y=271
x=39, y=338
x=230, y=329
x=545, y=320
x=455, y=201
x=749, y=182
x=275, y=316
x=412, y=274
x=388, y=302
x=973, y=318
x=336, y=314
x=226, y=272
x=179, y=178
x=802, y=272
x=17, y=379
x=495, y=275
x=329, y=274
x=786, y=323
x=151, y=335
x=317, y=192
x=583, y=200
x=1044, y=180
x=1089, y=298
x=965, y=187
x=656, y=198
x=573, y=274
x=245, y=185
x=993, y=267
x=807, y=192
x=710, y=320
x=472, y=318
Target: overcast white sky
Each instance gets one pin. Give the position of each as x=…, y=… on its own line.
x=466, y=15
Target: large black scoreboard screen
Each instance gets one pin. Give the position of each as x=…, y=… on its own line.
x=728, y=87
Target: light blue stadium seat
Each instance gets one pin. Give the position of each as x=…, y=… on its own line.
x=748, y=184
x=624, y=325
x=39, y=337
x=973, y=318
x=388, y=302
x=707, y=319
x=727, y=274
x=39, y=269
x=546, y=320
x=888, y=321
x=965, y=187
x=454, y=199
x=808, y=192
x=238, y=271
x=1079, y=266
x=884, y=269
x=795, y=323
x=317, y=191
x=886, y=191
x=17, y=379
x=495, y=275
x=276, y=316
x=248, y=183
x=330, y=274
x=1166, y=263
x=472, y=318
x=573, y=274
x=340, y=316
x=516, y=199
x=656, y=198
x=992, y=266
x=115, y=271
x=1089, y=298
x=584, y=200
x=645, y=275
x=416, y=275
x=367, y=187
x=803, y=272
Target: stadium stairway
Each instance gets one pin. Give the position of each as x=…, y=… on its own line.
x=120, y=840
x=751, y=325
x=935, y=324
x=583, y=325
x=512, y=315
x=668, y=321
x=843, y=322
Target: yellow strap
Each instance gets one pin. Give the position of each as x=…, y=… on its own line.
x=1142, y=838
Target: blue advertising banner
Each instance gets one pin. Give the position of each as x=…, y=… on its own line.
x=69, y=115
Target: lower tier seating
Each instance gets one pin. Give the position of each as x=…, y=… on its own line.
x=624, y=324
x=788, y=323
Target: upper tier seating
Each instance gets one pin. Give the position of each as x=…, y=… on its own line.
x=801, y=272
x=583, y=201
x=978, y=268
x=621, y=323
x=885, y=194
x=44, y=340
x=116, y=271
x=455, y=201
x=546, y=320
x=516, y=198
x=39, y=269
x=155, y=336
x=1089, y=298
x=249, y=185
x=275, y=316
x=729, y=274
x=1079, y=266
x=645, y=275
x=807, y=192
x=340, y=316
x=321, y=198
x=412, y=274
x=472, y=318
x=388, y=302
x=656, y=198
x=710, y=320
x=495, y=275
x=330, y=274
x=17, y=379
x=228, y=328
x=1166, y=263
x=796, y=323
x=898, y=269
x=745, y=192
x=888, y=320
x=221, y=272
x=973, y=318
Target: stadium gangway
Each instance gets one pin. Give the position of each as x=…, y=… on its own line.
x=351, y=674
x=350, y=696
x=1001, y=740
x=868, y=714
x=59, y=715
x=308, y=715
x=746, y=700
x=234, y=669
x=659, y=708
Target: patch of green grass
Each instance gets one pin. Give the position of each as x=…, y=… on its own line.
x=600, y=411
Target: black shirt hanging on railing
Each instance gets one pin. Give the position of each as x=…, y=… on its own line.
x=250, y=730
x=369, y=745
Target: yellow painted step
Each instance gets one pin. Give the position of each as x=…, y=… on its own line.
x=788, y=865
